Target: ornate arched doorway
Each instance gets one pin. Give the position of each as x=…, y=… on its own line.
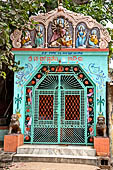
x=59, y=106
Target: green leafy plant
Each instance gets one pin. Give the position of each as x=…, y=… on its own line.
x=15, y=14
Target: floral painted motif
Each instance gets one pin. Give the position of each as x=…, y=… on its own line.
x=27, y=130
x=100, y=76
x=90, y=114
x=18, y=101
x=28, y=115
x=21, y=75
x=100, y=102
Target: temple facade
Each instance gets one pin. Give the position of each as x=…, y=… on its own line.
x=61, y=91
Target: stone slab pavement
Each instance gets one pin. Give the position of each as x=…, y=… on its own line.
x=49, y=166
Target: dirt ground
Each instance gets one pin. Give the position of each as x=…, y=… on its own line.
x=50, y=166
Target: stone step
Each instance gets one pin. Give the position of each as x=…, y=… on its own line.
x=54, y=150
x=55, y=159
x=56, y=153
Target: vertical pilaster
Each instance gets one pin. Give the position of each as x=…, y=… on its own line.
x=59, y=108
x=46, y=39
x=74, y=37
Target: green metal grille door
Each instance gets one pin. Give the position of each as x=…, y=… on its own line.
x=46, y=111
x=58, y=115
x=59, y=109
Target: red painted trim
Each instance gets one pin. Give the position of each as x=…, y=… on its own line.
x=3, y=127
x=58, y=49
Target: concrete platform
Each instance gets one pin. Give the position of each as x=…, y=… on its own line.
x=50, y=166
x=56, y=153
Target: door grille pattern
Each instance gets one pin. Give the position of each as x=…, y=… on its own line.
x=72, y=107
x=45, y=120
x=73, y=131
x=72, y=135
x=69, y=82
x=45, y=107
x=45, y=135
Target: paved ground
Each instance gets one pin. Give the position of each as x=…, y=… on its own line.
x=50, y=166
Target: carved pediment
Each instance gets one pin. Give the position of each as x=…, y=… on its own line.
x=61, y=28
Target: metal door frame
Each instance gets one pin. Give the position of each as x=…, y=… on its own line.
x=59, y=96
x=59, y=111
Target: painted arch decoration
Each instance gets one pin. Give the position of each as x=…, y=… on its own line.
x=43, y=85
x=61, y=28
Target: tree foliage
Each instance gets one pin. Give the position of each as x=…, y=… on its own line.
x=15, y=14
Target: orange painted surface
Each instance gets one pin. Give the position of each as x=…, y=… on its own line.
x=101, y=145
x=11, y=142
x=58, y=49
x=3, y=127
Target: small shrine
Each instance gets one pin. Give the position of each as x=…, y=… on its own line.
x=61, y=91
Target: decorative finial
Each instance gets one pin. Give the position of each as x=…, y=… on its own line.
x=60, y=5
x=60, y=2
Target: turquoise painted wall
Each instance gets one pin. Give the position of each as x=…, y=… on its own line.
x=94, y=64
x=2, y=134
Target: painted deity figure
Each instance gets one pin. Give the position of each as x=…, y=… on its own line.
x=67, y=40
x=93, y=40
x=81, y=37
x=61, y=35
x=26, y=40
x=39, y=40
x=58, y=33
